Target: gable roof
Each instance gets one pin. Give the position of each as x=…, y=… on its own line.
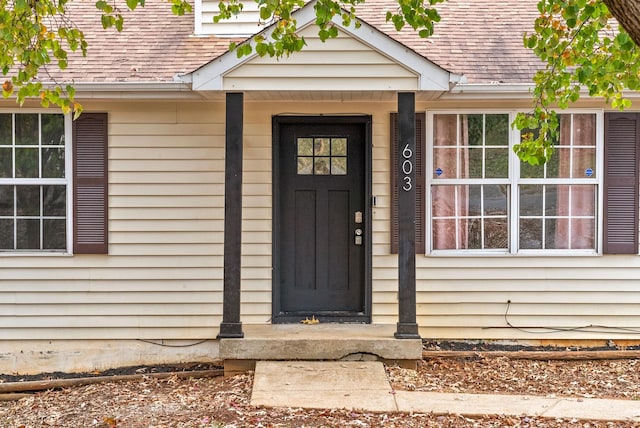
x=427, y=76
x=479, y=39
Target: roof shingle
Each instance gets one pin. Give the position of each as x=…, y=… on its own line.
x=480, y=39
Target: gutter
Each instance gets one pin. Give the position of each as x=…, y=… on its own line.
x=497, y=90
x=135, y=90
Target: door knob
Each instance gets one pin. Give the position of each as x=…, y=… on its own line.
x=358, y=240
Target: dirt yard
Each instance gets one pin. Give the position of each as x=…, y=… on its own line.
x=224, y=402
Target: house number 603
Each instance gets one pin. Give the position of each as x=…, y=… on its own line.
x=407, y=168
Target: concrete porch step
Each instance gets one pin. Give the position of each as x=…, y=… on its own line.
x=369, y=342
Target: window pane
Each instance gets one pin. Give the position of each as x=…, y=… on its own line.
x=55, y=201
x=583, y=200
x=497, y=129
x=496, y=233
x=28, y=200
x=474, y=204
x=584, y=163
x=6, y=200
x=531, y=234
x=321, y=166
x=472, y=159
x=556, y=200
x=557, y=233
x=531, y=171
x=339, y=147
x=5, y=130
x=558, y=164
x=444, y=201
x=27, y=129
x=584, y=129
x=497, y=163
x=583, y=232
x=54, y=234
x=475, y=129
x=305, y=146
x=338, y=166
x=28, y=234
x=53, y=163
x=6, y=162
x=52, y=129
x=473, y=228
x=530, y=200
x=444, y=234
x=496, y=199
x=6, y=234
x=322, y=147
x=27, y=163
x=444, y=163
x=305, y=165
x=444, y=129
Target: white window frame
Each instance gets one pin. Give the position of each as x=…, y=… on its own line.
x=514, y=182
x=67, y=181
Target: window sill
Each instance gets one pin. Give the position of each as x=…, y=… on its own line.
x=555, y=253
x=35, y=254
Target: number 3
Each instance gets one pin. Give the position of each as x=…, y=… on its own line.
x=407, y=184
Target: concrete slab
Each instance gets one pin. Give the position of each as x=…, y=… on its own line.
x=473, y=404
x=364, y=385
x=319, y=342
x=323, y=384
x=596, y=409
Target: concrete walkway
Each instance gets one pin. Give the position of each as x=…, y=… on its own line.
x=365, y=386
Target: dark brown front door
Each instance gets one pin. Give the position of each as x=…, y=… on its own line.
x=321, y=221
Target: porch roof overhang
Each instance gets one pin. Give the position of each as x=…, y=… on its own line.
x=420, y=74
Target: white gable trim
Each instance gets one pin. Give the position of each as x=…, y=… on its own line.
x=431, y=77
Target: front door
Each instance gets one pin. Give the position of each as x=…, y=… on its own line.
x=321, y=220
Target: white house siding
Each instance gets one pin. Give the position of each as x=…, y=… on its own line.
x=245, y=23
x=162, y=278
x=466, y=297
x=338, y=64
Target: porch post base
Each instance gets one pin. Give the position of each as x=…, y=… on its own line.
x=406, y=330
x=230, y=330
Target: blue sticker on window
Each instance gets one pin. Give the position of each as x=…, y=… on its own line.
x=588, y=172
x=439, y=172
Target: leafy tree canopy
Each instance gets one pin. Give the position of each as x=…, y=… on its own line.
x=582, y=47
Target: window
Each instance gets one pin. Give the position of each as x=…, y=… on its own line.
x=322, y=156
x=484, y=200
x=33, y=182
x=36, y=173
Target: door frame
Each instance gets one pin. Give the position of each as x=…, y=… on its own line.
x=365, y=121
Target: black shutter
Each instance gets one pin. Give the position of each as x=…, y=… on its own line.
x=90, y=184
x=622, y=139
x=420, y=182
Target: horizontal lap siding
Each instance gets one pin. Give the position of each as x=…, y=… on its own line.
x=163, y=276
x=343, y=63
x=466, y=297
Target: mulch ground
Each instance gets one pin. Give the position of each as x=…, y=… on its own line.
x=225, y=402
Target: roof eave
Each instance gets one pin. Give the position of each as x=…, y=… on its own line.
x=135, y=90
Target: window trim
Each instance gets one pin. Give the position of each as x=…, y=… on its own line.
x=67, y=181
x=514, y=182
